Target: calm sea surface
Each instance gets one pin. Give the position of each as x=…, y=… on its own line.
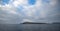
x=29, y=27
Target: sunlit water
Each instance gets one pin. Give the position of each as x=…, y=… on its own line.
x=29, y=27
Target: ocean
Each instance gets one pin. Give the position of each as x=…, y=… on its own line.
x=29, y=27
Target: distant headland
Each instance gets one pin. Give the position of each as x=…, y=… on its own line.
x=32, y=23
x=39, y=23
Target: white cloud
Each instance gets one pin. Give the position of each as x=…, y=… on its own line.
x=27, y=20
x=30, y=10
x=53, y=2
x=45, y=10
x=8, y=8
x=19, y=2
x=0, y=5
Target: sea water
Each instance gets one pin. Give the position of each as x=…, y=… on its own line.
x=29, y=27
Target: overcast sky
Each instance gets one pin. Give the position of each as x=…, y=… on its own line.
x=18, y=11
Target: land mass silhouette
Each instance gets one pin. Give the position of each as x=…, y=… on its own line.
x=32, y=23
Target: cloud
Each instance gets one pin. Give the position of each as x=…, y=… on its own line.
x=6, y=18
x=8, y=8
x=27, y=20
x=19, y=2
x=17, y=11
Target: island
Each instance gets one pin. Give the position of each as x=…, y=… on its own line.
x=32, y=23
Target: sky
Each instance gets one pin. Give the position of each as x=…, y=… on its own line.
x=19, y=11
